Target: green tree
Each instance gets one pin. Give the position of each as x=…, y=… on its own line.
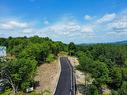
x=123, y=88
x=124, y=74
x=50, y=58
x=85, y=62
x=71, y=48
x=17, y=71
x=101, y=72
x=115, y=92
x=93, y=90
x=116, y=75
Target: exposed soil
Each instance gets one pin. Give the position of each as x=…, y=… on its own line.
x=79, y=76
x=48, y=76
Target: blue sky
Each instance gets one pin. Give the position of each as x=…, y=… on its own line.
x=80, y=21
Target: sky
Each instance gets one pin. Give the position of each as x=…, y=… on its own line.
x=79, y=21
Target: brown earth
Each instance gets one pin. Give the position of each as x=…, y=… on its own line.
x=80, y=77
x=48, y=75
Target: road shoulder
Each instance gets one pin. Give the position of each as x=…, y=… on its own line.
x=48, y=76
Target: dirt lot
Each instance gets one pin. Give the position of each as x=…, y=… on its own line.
x=48, y=75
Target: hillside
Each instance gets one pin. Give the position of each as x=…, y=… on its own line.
x=117, y=43
x=121, y=42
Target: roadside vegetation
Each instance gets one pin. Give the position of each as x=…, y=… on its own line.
x=105, y=64
x=24, y=54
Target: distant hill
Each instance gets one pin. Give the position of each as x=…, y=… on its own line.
x=117, y=43
x=120, y=42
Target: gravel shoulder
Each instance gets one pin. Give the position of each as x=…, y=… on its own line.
x=78, y=74
x=80, y=77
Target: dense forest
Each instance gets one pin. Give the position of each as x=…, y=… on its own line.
x=106, y=64
x=23, y=56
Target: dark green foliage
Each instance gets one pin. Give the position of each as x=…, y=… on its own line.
x=107, y=64
x=93, y=90
x=18, y=71
x=100, y=72
x=124, y=72
x=123, y=88
x=34, y=47
x=115, y=92
x=24, y=56
x=71, y=48
x=116, y=75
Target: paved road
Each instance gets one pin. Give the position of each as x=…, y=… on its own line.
x=64, y=86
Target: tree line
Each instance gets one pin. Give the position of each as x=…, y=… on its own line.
x=23, y=56
x=107, y=65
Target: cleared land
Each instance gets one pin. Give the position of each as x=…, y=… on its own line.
x=48, y=75
x=78, y=74
x=80, y=77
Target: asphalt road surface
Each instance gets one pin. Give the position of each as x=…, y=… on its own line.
x=64, y=86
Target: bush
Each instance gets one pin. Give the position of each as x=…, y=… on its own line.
x=50, y=58
x=7, y=92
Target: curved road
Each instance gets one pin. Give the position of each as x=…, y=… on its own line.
x=65, y=83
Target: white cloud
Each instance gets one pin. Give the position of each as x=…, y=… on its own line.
x=28, y=30
x=120, y=23
x=101, y=29
x=118, y=27
x=63, y=27
x=107, y=18
x=13, y=25
x=64, y=30
x=87, y=17
x=87, y=29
